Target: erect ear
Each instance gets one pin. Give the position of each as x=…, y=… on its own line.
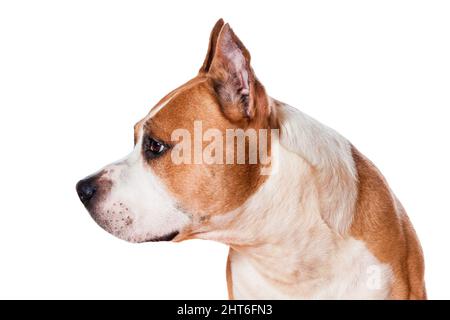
x=239, y=92
x=212, y=45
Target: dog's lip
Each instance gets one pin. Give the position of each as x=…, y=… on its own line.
x=167, y=237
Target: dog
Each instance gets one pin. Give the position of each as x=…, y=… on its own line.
x=317, y=221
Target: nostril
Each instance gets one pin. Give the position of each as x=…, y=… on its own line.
x=86, y=190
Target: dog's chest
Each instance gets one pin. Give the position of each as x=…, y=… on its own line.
x=358, y=275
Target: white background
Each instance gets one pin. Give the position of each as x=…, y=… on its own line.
x=76, y=75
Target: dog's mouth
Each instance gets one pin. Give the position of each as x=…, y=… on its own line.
x=167, y=237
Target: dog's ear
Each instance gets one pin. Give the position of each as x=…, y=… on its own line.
x=240, y=94
x=212, y=45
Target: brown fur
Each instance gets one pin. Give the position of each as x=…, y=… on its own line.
x=212, y=46
x=381, y=222
x=201, y=188
x=229, y=277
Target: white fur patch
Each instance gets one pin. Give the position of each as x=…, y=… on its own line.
x=351, y=272
x=330, y=155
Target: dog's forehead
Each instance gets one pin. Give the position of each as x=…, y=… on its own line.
x=194, y=101
x=145, y=122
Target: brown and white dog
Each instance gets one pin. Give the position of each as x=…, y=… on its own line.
x=323, y=224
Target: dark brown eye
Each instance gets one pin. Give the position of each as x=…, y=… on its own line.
x=153, y=148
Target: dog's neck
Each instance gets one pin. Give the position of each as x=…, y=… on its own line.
x=281, y=230
x=285, y=234
x=312, y=186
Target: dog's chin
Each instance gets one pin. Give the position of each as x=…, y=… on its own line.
x=123, y=229
x=145, y=238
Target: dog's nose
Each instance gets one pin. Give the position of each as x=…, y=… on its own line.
x=86, y=189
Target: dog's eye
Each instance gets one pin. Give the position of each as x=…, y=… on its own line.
x=153, y=148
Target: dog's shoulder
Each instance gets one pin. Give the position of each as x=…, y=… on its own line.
x=381, y=222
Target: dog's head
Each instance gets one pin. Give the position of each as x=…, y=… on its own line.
x=151, y=195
